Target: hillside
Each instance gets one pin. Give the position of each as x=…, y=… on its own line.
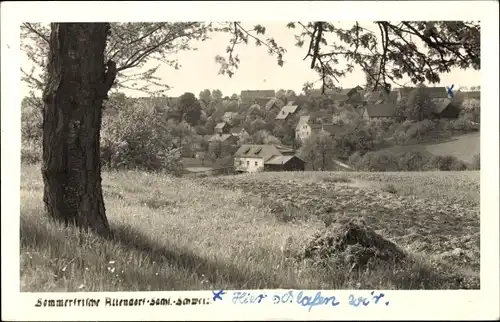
x=464, y=147
x=228, y=232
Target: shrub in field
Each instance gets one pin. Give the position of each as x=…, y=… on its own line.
x=447, y=163
x=361, y=139
x=462, y=125
x=379, y=161
x=355, y=159
x=412, y=161
x=471, y=109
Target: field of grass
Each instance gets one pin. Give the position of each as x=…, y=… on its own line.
x=464, y=147
x=226, y=232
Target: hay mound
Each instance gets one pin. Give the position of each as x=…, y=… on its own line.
x=353, y=245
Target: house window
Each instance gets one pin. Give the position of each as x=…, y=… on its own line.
x=248, y=163
x=255, y=163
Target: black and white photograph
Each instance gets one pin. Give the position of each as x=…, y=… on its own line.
x=184, y=155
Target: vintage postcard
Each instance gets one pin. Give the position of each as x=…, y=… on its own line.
x=250, y=160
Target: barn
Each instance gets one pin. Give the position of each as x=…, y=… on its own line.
x=284, y=163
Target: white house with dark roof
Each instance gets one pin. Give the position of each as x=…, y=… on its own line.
x=251, y=158
x=257, y=158
x=305, y=128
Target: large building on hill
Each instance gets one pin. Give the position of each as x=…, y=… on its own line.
x=258, y=158
x=260, y=97
x=379, y=110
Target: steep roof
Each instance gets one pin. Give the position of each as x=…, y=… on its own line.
x=281, y=159
x=252, y=94
x=265, y=151
x=274, y=101
x=440, y=104
x=261, y=101
x=436, y=92
x=381, y=110
x=285, y=111
x=404, y=90
x=220, y=125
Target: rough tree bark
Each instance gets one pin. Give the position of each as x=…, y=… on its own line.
x=78, y=82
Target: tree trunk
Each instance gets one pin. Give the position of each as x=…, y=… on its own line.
x=78, y=82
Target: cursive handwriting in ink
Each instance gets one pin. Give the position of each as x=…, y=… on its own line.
x=308, y=301
x=285, y=298
x=378, y=297
x=218, y=295
x=353, y=301
x=247, y=298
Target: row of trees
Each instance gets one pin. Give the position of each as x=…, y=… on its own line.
x=86, y=60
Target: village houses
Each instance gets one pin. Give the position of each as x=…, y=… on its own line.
x=222, y=128
x=287, y=110
x=257, y=158
x=274, y=104
x=239, y=132
x=228, y=117
x=260, y=97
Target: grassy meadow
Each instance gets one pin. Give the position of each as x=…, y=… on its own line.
x=228, y=232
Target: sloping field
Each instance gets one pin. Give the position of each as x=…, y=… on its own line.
x=431, y=213
x=464, y=147
x=229, y=232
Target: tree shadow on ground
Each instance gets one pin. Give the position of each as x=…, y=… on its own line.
x=185, y=259
x=222, y=275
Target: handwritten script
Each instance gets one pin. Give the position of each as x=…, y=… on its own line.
x=308, y=299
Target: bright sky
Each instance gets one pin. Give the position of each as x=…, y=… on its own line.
x=259, y=70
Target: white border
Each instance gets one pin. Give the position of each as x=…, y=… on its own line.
x=404, y=304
